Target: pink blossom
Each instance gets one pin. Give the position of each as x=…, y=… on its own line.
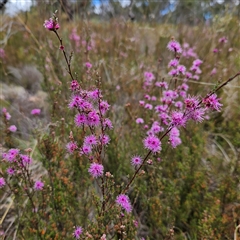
x=71, y=147
x=88, y=65
x=51, y=24
x=124, y=202
x=178, y=119
x=181, y=69
x=36, y=111
x=197, y=62
x=173, y=72
x=173, y=63
x=2, y=53
x=86, y=149
x=149, y=106
x=212, y=102
x=214, y=71
x=191, y=102
x=96, y=170
x=38, y=185
x=152, y=143
x=107, y=123
x=174, y=138
x=174, y=46
x=10, y=171
x=74, y=85
x=223, y=40
x=12, y=128
x=26, y=160
x=162, y=84
x=139, y=121
x=188, y=75
x=90, y=140
x=104, y=106
x=93, y=119
x=80, y=119
x=77, y=232
x=104, y=139
x=2, y=182
x=198, y=114
x=136, y=161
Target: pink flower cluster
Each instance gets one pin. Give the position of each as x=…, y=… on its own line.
x=175, y=108
x=91, y=110
x=18, y=164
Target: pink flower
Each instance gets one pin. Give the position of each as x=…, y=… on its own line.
x=96, y=170
x=74, y=85
x=6, y=114
x=223, y=40
x=212, y=102
x=104, y=139
x=2, y=53
x=198, y=114
x=2, y=182
x=71, y=147
x=86, y=149
x=149, y=106
x=124, y=202
x=173, y=72
x=104, y=107
x=36, y=111
x=188, y=75
x=12, y=154
x=90, y=140
x=10, y=171
x=214, y=71
x=197, y=62
x=38, y=186
x=80, y=119
x=181, y=69
x=51, y=24
x=191, y=102
x=136, y=161
x=173, y=63
x=77, y=232
x=178, y=119
x=174, y=138
x=107, y=123
x=152, y=143
x=12, y=128
x=139, y=121
x=88, y=65
x=93, y=119
x=26, y=160
x=174, y=46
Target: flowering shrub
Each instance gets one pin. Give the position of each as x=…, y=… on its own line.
x=78, y=195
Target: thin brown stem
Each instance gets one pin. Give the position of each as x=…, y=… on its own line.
x=65, y=56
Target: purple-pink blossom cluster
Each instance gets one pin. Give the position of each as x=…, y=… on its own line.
x=91, y=113
x=18, y=164
x=175, y=107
